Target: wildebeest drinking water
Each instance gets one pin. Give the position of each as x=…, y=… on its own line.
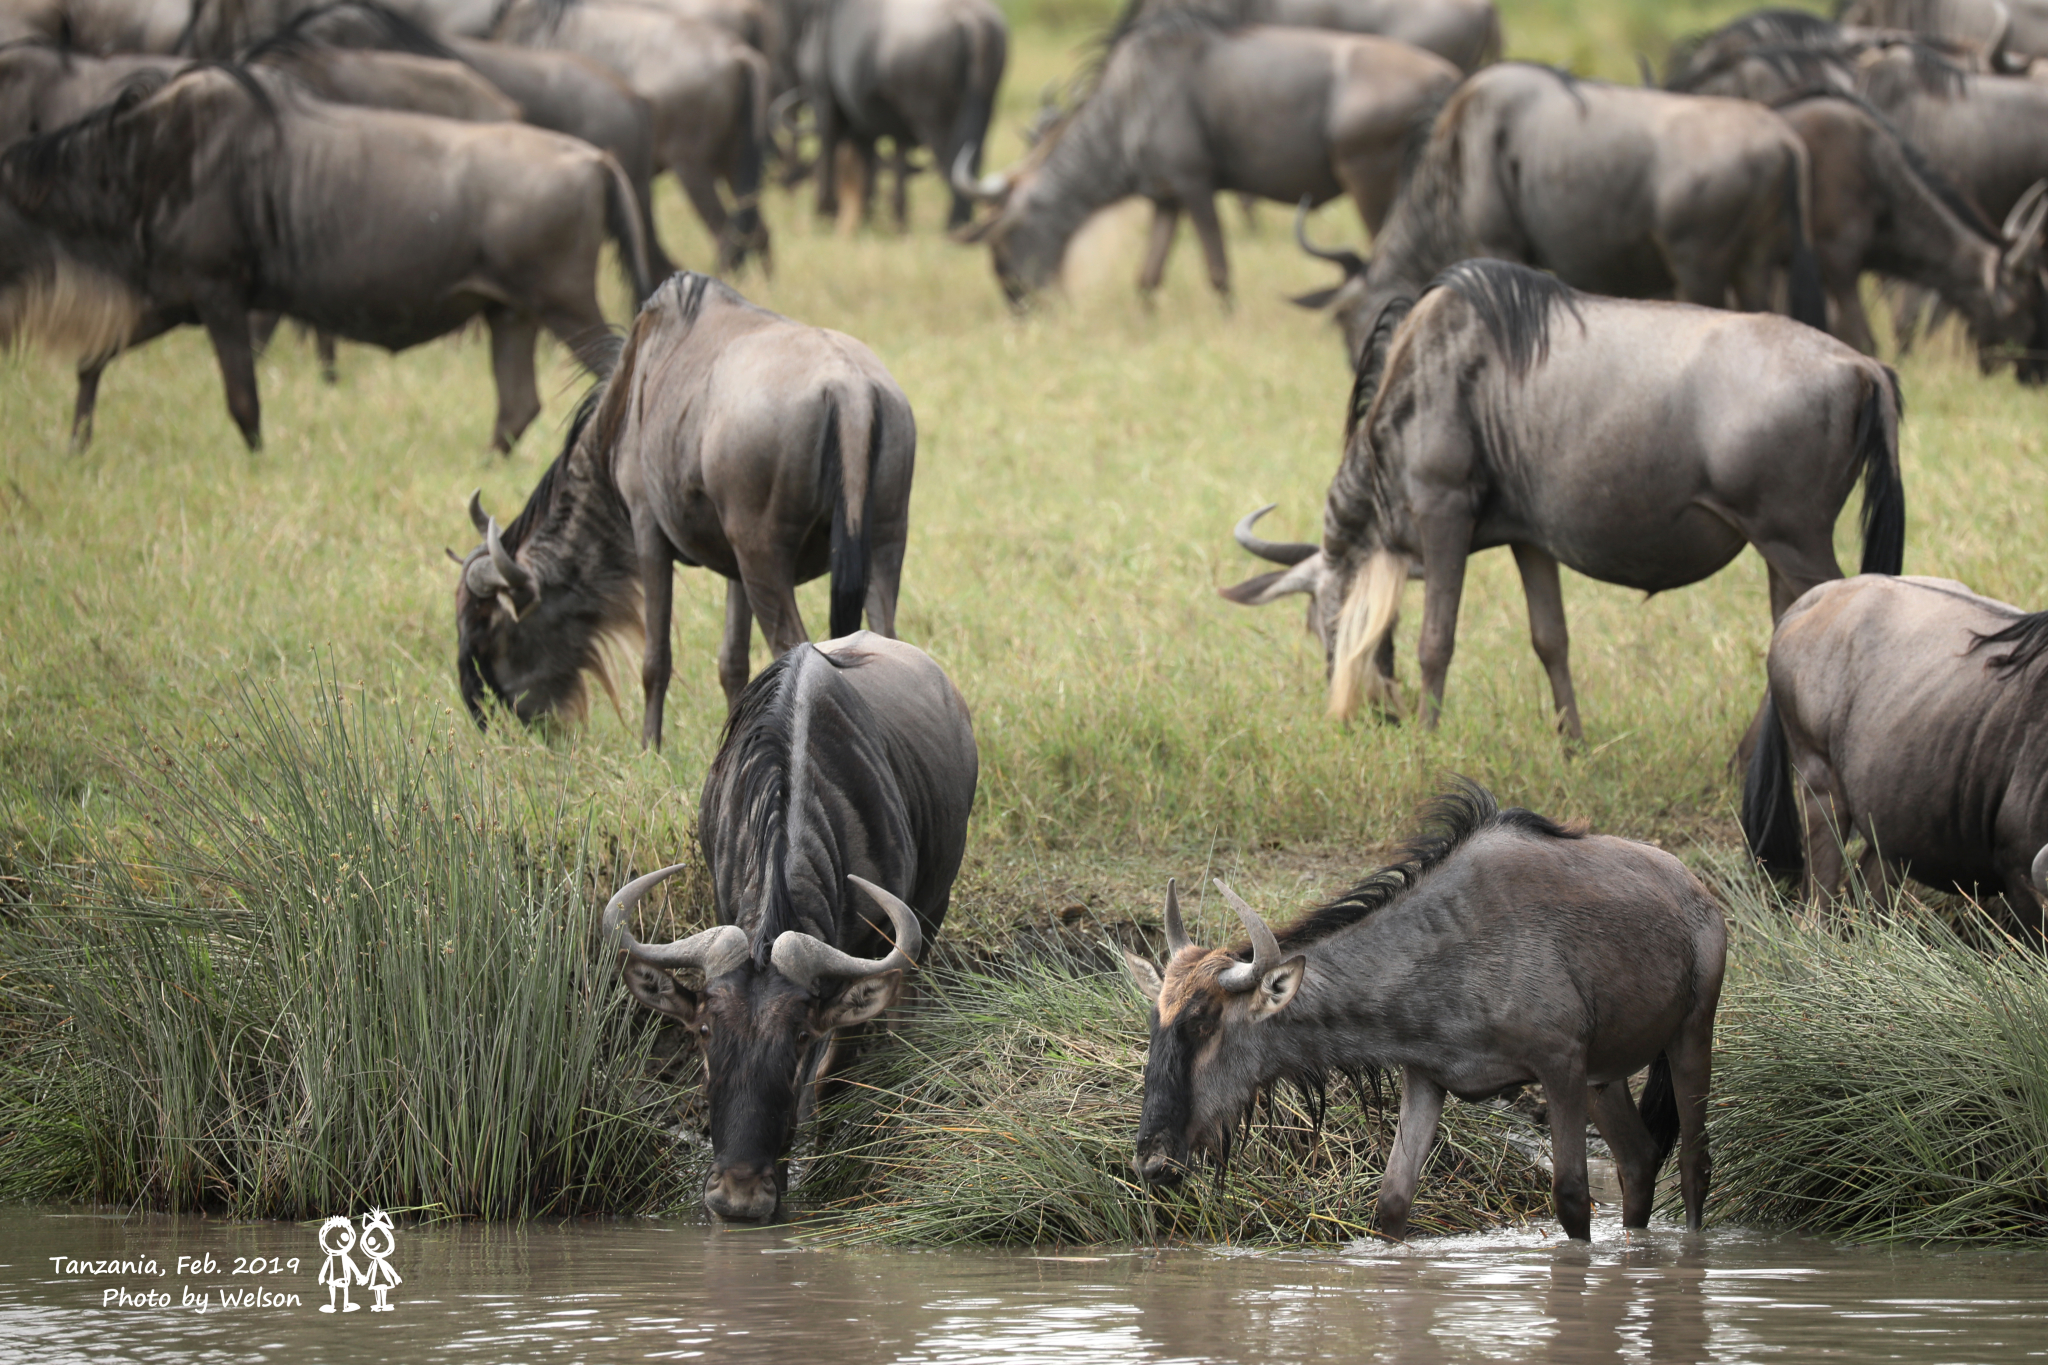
x=1500, y=950
x=848, y=762
x=1640, y=443
x=1912, y=712
x=727, y=437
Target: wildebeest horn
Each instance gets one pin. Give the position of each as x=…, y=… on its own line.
x=1176, y=933
x=1288, y=552
x=518, y=581
x=1351, y=261
x=1265, y=948
x=717, y=951
x=804, y=958
x=2026, y=215
x=477, y=516
x=991, y=187
x=2041, y=869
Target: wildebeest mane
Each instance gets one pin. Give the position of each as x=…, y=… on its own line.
x=1514, y=303
x=2027, y=641
x=1779, y=30
x=391, y=30
x=1808, y=68
x=1372, y=362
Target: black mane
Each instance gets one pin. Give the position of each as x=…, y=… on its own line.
x=2028, y=640
x=391, y=31
x=1447, y=823
x=542, y=498
x=1779, y=30
x=1515, y=303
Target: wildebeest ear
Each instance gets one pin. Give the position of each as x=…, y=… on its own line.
x=657, y=990
x=861, y=1001
x=1315, y=298
x=1143, y=975
x=1277, y=987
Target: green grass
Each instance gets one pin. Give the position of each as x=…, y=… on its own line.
x=176, y=615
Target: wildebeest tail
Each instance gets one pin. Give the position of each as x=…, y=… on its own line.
x=1806, y=298
x=1770, y=815
x=849, y=564
x=1884, y=496
x=622, y=220
x=1659, y=1109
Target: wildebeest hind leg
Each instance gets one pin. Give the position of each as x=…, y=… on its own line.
x=228, y=328
x=1548, y=633
x=770, y=582
x=1422, y=1105
x=1691, y=1056
x=1201, y=209
x=512, y=338
x=1635, y=1151
x=735, y=650
x=883, y=580
x=1793, y=570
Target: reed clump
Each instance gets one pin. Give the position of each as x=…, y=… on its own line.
x=1882, y=1076
x=345, y=967
x=1003, y=1107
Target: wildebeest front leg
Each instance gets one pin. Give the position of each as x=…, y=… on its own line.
x=512, y=337
x=228, y=329
x=1547, y=632
x=1422, y=1105
x=1446, y=541
x=657, y=588
x=1202, y=213
x=1635, y=1151
x=1567, y=1097
x=735, y=651
x=1165, y=221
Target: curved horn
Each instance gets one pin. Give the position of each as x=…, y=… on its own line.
x=990, y=187
x=1265, y=948
x=1288, y=552
x=1351, y=261
x=717, y=950
x=2041, y=869
x=477, y=516
x=804, y=958
x=481, y=577
x=1176, y=934
x=2016, y=224
x=518, y=579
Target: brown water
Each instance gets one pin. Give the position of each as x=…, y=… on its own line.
x=645, y=1290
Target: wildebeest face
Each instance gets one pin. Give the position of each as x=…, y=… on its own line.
x=764, y=1040
x=531, y=661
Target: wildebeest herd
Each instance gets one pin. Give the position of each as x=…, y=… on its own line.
x=1609, y=327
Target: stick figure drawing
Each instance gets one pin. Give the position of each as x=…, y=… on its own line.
x=338, y=1271
x=379, y=1237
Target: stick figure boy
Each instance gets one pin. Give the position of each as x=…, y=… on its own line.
x=379, y=1237
x=338, y=1271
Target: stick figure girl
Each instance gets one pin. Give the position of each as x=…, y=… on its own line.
x=338, y=1271
x=379, y=1237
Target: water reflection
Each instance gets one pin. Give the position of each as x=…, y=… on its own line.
x=642, y=1290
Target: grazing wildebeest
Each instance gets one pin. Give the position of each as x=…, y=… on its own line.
x=396, y=228
x=1183, y=109
x=1878, y=205
x=848, y=762
x=1641, y=443
x=1499, y=950
x=922, y=73
x=1622, y=191
x=1465, y=33
x=707, y=89
x=1988, y=133
x=728, y=437
x=1914, y=713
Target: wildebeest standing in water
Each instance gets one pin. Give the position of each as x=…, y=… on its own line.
x=1499, y=951
x=1914, y=713
x=1465, y=33
x=727, y=437
x=397, y=228
x=922, y=73
x=848, y=762
x=1641, y=443
x=1185, y=109
x=1621, y=191
x=1878, y=205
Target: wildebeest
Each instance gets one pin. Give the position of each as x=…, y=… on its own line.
x=397, y=228
x=1878, y=205
x=1499, y=950
x=1980, y=26
x=922, y=73
x=1912, y=712
x=1620, y=191
x=1465, y=33
x=848, y=762
x=727, y=437
x=1185, y=108
x=1988, y=133
x=707, y=89
x=1641, y=443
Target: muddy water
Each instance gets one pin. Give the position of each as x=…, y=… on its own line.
x=660, y=1291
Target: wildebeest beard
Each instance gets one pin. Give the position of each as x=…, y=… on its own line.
x=759, y=1056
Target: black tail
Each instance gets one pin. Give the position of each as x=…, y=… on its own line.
x=1884, y=497
x=1770, y=816
x=849, y=565
x=622, y=219
x=1805, y=295
x=1659, y=1108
